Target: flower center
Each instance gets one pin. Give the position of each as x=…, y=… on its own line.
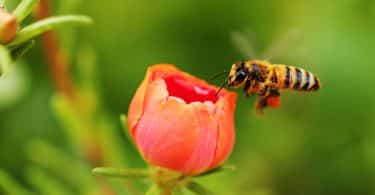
x=189, y=91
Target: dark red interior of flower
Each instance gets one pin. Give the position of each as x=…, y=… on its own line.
x=189, y=91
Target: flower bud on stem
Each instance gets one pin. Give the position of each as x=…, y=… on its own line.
x=8, y=26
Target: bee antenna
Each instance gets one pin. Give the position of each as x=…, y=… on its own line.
x=221, y=87
x=217, y=75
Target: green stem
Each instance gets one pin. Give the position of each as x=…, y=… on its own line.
x=122, y=173
x=37, y=28
x=5, y=60
x=24, y=9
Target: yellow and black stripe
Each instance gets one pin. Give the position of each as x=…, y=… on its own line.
x=294, y=78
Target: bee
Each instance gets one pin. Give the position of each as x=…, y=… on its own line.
x=266, y=80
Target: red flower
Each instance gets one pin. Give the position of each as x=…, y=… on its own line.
x=178, y=122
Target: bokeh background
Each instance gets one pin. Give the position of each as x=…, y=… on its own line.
x=320, y=143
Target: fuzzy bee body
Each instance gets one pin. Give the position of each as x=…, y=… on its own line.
x=266, y=80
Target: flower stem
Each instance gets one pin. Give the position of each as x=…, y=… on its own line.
x=24, y=9
x=155, y=189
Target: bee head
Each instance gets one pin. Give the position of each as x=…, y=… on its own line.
x=237, y=75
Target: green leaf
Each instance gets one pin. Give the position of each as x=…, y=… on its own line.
x=24, y=8
x=124, y=123
x=5, y=60
x=198, y=189
x=63, y=165
x=37, y=28
x=69, y=119
x=121, y=173
x=218, y=170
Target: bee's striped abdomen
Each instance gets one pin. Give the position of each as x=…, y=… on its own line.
x=306, y=86
x=297, y=78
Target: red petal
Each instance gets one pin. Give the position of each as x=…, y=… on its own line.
x=136, y=106
x=166, y=134
x=204, y=152
x=226, y=134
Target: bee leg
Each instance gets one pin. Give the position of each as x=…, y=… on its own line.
x=261, y=104
x=269, y=96
x=247, y=86
x=273, y=99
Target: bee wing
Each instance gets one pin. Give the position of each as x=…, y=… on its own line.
x=281, y=44
x=242, y=42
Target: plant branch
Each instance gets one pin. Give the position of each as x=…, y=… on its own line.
x=37, y=28
x=24, y=9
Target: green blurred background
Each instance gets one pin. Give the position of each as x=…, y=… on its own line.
x=320, y=143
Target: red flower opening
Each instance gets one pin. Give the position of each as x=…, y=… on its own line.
x=190, y=136
x=179, y=87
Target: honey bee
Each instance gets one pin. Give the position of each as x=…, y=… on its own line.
x=267, y=80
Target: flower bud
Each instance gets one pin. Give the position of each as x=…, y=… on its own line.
x=8, y=26
x=179, y=122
